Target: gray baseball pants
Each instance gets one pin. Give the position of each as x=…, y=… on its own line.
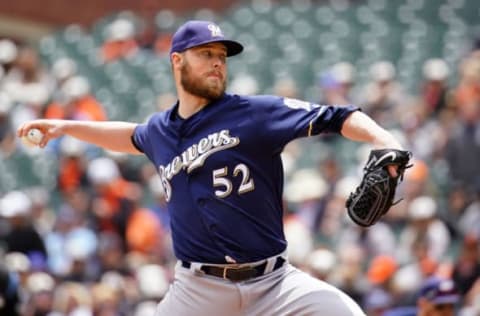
x=285, y=291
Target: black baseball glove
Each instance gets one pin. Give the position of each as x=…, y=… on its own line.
x=374, y=196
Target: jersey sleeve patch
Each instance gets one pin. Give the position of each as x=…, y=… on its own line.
x=298, y=104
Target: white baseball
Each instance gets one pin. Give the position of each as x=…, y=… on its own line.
x=33, y=138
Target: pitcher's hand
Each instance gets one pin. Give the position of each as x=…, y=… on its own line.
x=50, y=128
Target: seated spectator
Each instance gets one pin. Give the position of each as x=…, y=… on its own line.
x=27, y=82
x=18, y=264
x=381, y=271
x=162, y=44
x=349, y=272
x=437, y=297
x=8, y=54
x=111, y=254
x=21, y=235
x=113, y=198
x=244, y=84
x=39, y=289
x=285, y=86
x=376, y=302
x=332, y=91
x=334, y=217
x=435, y=89
x=80, y=245
x=165, y=21
x=344, y=75
x=63, y=69
x=120, y=40
x=417, y=182
x=376, y=240
x=463, y=147
x=424, y=225
x=76, y=102
x=71, y=297
x=152, y=282
x=9, y=293
x=106, y=300
x=72, y=165
x=468, y=89
x=425, y=135
x=306, y=191
x=384, y=95
x=466, y=269
x=68, y=241
x=321, y=263
x=144, y=231
x=468, y=217
x=411, y=274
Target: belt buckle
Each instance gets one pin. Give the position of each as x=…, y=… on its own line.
x=225, y=269
x=242, y=273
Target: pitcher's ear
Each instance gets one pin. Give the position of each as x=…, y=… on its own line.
x=176, y=59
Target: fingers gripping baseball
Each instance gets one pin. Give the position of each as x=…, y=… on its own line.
x=40, y=132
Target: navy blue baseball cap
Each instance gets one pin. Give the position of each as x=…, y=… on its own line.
x=196, y=33
x=439, y=291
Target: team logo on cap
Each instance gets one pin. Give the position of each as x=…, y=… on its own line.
x=215, y=30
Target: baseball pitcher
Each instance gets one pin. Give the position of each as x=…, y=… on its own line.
x=218, y=156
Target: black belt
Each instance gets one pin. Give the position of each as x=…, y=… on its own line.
x=237, y=274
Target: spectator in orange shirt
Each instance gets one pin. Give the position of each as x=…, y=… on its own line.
x=72, y=166
x=114, y=198
x=77, y=103
x=144, y=231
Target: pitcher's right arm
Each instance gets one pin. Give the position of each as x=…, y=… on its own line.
x=115, y=136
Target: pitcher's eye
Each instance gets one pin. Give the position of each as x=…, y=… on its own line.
x=206, y=53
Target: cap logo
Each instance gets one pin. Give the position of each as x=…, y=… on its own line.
x=215, y=30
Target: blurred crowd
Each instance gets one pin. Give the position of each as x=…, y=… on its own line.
x=98, y=243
